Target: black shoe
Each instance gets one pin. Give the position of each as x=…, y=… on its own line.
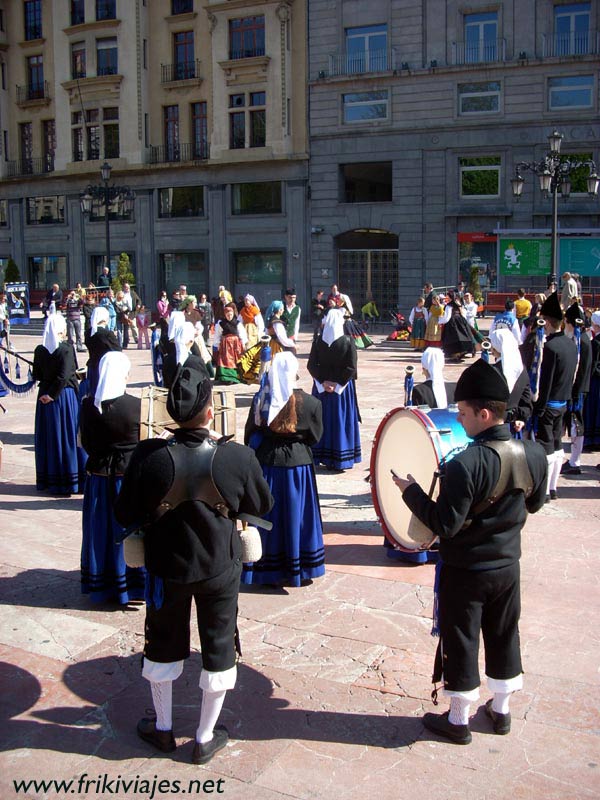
x=204, y=752
x=572, y=471
x=439, y=723
x=501, y=721
x=162, y=740
x=553, y=494
x=547, y=500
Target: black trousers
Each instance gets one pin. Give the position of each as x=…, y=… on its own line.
x=168, y=628
x=470, y=602
x=550, y=429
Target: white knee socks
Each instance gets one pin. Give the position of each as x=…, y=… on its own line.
x=501, y=701
x=576, y=451
x=162, y=697
x=554, y=471
x=212, y=703
x=459, y=711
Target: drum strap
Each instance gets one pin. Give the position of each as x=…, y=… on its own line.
x=514, y=473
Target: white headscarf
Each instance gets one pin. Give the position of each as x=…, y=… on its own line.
x=99, y=315
x=333, y=327
x=433, y=361
x=55, y=325
x=504, y=342
x=184, y=335
x=176, y=320
x=114, y=369
x=282, y=377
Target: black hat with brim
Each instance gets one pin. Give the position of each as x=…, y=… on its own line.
x=481, y=381
x=551, y=307
x=189, y=394
x=574, y=314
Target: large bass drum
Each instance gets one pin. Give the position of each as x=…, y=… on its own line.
x=415, y=441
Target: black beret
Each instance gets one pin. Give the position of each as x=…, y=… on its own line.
x=290, y=290
x=189, y=393
x=481, y=381
x=574, y=314
x=551, y=307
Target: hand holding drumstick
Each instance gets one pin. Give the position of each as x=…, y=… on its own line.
x=402, y=483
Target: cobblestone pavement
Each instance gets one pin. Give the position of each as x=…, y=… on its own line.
x=335, y=676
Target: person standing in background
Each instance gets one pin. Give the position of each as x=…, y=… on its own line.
x=291, y=314
x=74, y=306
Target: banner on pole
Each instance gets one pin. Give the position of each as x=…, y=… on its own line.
x=17, y=303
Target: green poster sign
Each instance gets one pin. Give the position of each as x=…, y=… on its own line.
x=580, y=255
x=524, y=256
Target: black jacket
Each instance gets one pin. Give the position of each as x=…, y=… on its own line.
x=110, y=438
x=169, y=369
x=103, y=341
x=559, y=362
x=337, y=363
x=583, y=375
x=55, y=371
x=193, y=542
x=520, y=403
x=293, y=449
x=493, y=539
x=422, y=394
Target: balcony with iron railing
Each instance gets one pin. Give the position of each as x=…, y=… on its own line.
x=30, y=166
x=247, y=52
x=180, y=71
x=586, y=43
x=32, y=92
x=177, y=153
x=363, y=62
x=487, y=52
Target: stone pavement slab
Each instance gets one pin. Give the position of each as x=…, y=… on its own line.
x=335, y=676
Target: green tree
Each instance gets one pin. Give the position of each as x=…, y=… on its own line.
x=474, y=287
x=12, y=274
x=124, y=274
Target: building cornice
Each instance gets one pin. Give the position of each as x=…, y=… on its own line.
x=93, y=25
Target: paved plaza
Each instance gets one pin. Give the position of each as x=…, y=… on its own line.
x=334, y=676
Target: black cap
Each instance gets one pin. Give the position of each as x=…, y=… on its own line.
x=189, y=394
x=574, y=314
x=481, y=381
x=290, y=290
x=551, y=307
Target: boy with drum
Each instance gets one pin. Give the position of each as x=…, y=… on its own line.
x=485, y=494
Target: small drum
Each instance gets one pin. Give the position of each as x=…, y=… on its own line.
x=224, y=408
x=416, y=441
x=154, y=417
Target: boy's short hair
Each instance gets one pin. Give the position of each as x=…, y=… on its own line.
x=495, y=407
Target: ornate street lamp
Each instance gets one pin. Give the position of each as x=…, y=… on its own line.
x=107, y=195
x=553, y=172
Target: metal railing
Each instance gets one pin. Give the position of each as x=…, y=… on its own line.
x=180, y=71
x=180, y=152
x=488, y=52
x=30, y=166
x=247, y=52
x=363, y=62
x=586, y=43
x=108, y=69
x=33, y=91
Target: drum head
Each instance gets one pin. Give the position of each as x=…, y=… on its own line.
x=404, y=444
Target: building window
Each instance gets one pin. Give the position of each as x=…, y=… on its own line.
x=49, y=143
x=479, y=98
x=258, y=267
x=110, y=130
x=365, y=106
x=187, y=268
x=3, y=219
x=572, y=29
x=575, y=91
x=480, y=177
x=171, y=132
x=33, y=19
x=117, y=210
x=181, y=201
x=92, y=119
x=183, y=55
x=367, y=183
x=481, y=37
x=107, y=56
x=579, y=176
x=77, y=135
x=26, y=147
x=256, y=198
x=145, y=53
x=366, y=49
x=46, y=270
x=237, y=121
x=181, y=6
x=199, y=130
x=35, y=77
x=247, y=37
x=106, y=9
x=258, y=122
x=2, y=28
x=45, y=210
x=77, y=12
x=78, y=66
x=3, y=74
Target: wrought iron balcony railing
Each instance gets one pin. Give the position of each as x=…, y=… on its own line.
x=247, y=52
x=586, y=43
x=363, y=62
x=180, y=152
x=486, y=52
x=30, y=166
x=33, y=91
x=180, y=71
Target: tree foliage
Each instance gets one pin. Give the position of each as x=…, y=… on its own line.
x=124, y=273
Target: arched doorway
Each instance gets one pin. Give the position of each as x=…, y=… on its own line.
x=368, y=266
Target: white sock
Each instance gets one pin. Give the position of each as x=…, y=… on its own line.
x=459, y=711
x=501, y=702
x=162, y=697
x=212, y=703
x=576, y=451
x=558, y=459
x=550, y=460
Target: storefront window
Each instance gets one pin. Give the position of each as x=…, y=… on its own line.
x=190, y=269
x=46, y=270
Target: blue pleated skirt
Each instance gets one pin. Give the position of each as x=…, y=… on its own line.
x=293, y=550
x=104, y=573
x=339, y=447
x=59, y=462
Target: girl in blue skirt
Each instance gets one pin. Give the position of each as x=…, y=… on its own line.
x=282, y=425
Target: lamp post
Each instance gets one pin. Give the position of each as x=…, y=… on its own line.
x=107, y=194
x=553, y=171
